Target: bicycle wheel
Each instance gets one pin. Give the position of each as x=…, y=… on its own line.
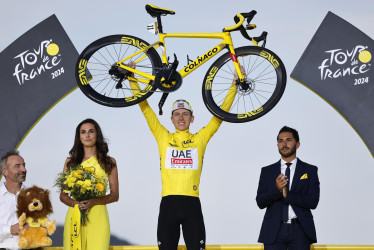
x=265, y=81
x=101, y=80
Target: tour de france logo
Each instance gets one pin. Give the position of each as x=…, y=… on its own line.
x=33, y=62
x=353, y=63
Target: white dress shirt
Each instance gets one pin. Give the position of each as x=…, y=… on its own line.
x=8, y=217
x=291, y=213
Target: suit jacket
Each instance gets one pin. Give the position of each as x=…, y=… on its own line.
x=303, y=196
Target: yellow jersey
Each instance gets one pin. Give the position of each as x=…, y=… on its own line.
x=182, y=153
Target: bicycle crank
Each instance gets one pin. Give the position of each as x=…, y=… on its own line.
x=168, y=79
x=168, y=86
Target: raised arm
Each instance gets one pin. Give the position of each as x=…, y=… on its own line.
x=215, y=122
x=154, y=124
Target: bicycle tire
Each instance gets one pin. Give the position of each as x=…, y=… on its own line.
x=93, y=65
x=264, y=71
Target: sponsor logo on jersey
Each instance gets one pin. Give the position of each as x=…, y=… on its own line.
x=181, y=159
x=186, y=143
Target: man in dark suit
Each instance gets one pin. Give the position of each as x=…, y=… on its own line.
x=288, y=189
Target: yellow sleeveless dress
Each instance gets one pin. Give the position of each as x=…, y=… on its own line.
x=96, y=232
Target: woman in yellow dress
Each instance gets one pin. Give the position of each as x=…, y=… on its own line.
x=90, y=149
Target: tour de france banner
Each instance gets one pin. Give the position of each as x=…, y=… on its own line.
x=338, y=66
x=37, y=71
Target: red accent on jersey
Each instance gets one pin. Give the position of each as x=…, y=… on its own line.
x=181, y=161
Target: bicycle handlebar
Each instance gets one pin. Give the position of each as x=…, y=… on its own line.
x=249, y=15
x=239, y=20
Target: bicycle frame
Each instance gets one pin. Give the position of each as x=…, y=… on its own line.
x=225, y=36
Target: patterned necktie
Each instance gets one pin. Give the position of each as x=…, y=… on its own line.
x=285, y=206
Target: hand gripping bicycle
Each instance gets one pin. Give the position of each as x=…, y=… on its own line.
x=105, y=68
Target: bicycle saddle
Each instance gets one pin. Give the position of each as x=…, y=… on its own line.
x=155, y=11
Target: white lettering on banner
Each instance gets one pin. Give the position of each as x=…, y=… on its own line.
x=34, y=62
x=340, y=62
x=181, y=159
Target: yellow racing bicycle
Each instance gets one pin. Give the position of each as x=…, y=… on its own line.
x=105, y=68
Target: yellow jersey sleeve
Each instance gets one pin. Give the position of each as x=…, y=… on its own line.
x=153, y=123
x=209, y=130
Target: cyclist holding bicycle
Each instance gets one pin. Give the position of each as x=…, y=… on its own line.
x=181, y=155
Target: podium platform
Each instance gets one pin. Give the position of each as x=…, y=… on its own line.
x=238, y=247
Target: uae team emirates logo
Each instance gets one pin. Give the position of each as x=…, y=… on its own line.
x=181, y=159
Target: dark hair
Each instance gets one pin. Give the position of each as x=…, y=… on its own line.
x=77, y=153
x=290, y=130
x=4, y=158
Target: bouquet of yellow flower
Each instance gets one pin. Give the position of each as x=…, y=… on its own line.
x=82, y=183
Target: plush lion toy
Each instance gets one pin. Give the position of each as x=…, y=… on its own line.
x=33, y=206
